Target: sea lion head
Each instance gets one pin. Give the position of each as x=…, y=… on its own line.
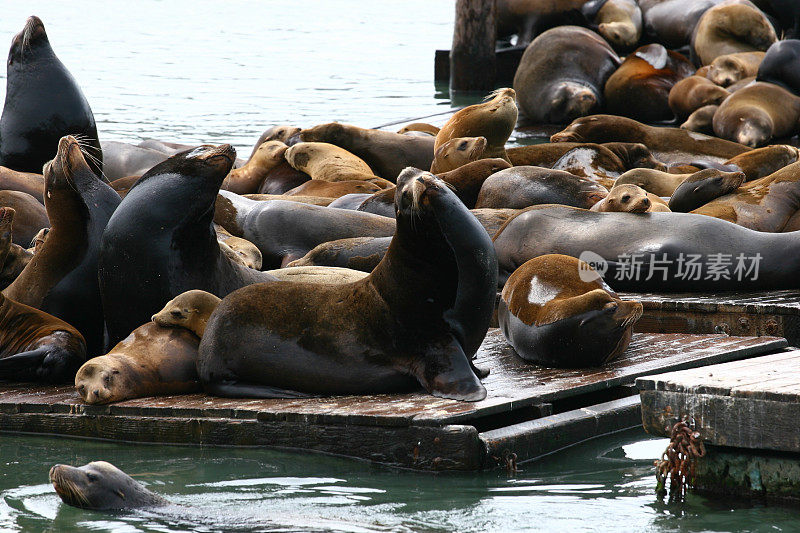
x=754, y=130
x=725, y=70
x=269, y=152
x=330, y=132
x=458, y=152
x=30, y=43
x=280, y=133
x=189, y=310
x=570, y=100
x=619, y=34
x=415, y=190
x=99, y=486
x=640, y=156
x=207, y=165
x=627, y=199
x=68, y=176
x=102, y=380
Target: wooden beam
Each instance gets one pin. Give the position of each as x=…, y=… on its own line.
x=472, y=57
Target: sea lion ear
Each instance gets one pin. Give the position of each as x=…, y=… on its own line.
x=448, y=374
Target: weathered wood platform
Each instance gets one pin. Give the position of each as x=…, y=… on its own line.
x=529, y=410
x=774, y=313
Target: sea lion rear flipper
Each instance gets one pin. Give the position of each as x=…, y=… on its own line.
x=449, y=374
x=23, y=364
x=236, y=389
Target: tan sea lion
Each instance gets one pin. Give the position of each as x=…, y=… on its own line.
x=327, y=162
x=248, y=178
x=30, y=217
x=701, y=120
x=692, y=93
x=630, y=199
x=238, y=249
x=640, y=87
x=33, y=184
x=494, y=120
x=728, y=69
x=764, y=161
x=420, y=127
x=619, y=22
x=556, y=310
x=189, y=310
x=758, y=113
x=281, y=133
x=458, y=152
x=317, y=274
x=729, y=28
x=332, y=189
x=313, y=200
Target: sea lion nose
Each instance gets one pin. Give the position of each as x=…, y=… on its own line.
x=647, y=202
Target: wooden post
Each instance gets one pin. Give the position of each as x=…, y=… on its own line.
x=472, y=57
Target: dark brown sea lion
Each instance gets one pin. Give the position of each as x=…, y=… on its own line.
x=33, y=184
x=539, y=155
x=640, y=87
x=247, y=179
x=285, y=231
x=385, y=152
x=36, y=346
x=765, y=204
x=101, y=486
x=520, y=187
x=562, y=74
x=281, y=178
x=702, y=187
x=692, y=93
x=670, y=145
x=683, y=258
x=731, y=27
x=457, y=152
x=494, y=120
x=332, y=189
x=380, y=203
x=152, y=251
x=30, y=217
x=555, y=310
x=634, y=155
x=592, y=161
x=61, y=279
x=43, y=103
x=758, y=113
x=701, y=120
x=468, y=179
x=730, y=68
x=764, y=161
x=373, y=335
x=628, y=198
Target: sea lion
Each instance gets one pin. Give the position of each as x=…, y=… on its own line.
x=166, y=147
x=701, y=120
x=592, y=161
x=313, y=200
x=13, y=257
x=493, y=219
x=669, y=145
x=101, y=486
x=241, y=250
x=640, y=87
x=671, y=22
x=386, y=153
x=528, y=18
x=27, y=182
x=189, y=310
x=248, y=178
x=152, y=251
x=332, y=189
x=43, y=103
x=31, y=216
x=556, y=310
x=357, y=253
x=457, y=152
x=758, y=113
x=285, y=231
x=466, y=180
x=692, y=93
x=663, y=184
x=327, y=162
x=699, y=189
x=788, y=12
x=765, y=204
x=36, y=346
x=318, y=274
x=562, y=74
x=728, y=28
x=123, y=159
x=764, y=161
x=350, y=201
x=421, y=127
x=494, y=120
x=520, y=187
x=281, y=178
x=123, y=185
x=779, y=65
x=634, y=155
x=538, y=155
x=637, y=254
x=281, y=133
x=61, y=279
x=619, y=22
x=373, y=335
x=629, y=199
x=728, y=69
x=382, y=203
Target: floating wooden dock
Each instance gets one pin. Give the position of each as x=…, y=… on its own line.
x=748, y=412
x=529, y=411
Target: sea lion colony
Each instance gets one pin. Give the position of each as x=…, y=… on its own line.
x=338, y=259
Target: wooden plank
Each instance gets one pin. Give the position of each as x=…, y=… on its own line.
x=472, y=57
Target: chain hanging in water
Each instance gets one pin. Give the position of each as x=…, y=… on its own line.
x=679, y=460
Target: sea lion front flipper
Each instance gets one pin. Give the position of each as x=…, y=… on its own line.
x=448, y=374
x=236, y=389
x=22, y=365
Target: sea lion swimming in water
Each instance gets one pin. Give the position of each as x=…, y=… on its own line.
x=101, y=486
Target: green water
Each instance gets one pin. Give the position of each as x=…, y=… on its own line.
x=603, y=485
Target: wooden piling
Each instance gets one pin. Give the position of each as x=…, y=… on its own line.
x=472, y=57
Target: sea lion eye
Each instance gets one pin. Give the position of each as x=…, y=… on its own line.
x=626, y=198
x=462, y=145
x=91, y=477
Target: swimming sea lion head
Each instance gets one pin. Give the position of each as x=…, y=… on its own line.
x=98, y=485
x=30, y=43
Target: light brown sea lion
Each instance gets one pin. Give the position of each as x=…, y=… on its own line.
x=33, y=184
x=468, y=179
x=540, y=154
x=692, y=93
x=247, y=179
x=620, y=23
x=101, y=486
x=420, y=127
x=640, y=87
x=520, y=187
x=701, y=120
x=332, y=189
x=494, y=120
x=766, y=204
x=386, y=153
x=556, y=310
x=669, y=145
x=327, y=162
x=758, y=113
x=764, y=161
x=728, y=69
x=741, y=84
x=664, y=183
x=30, y=217
x=189, y=310
x=729, y=28
x=458, y=152
x=317, y=274
x=313, y=200
x=700, y=188
x=630, y=199
x=281, y=133
x=238, y=249
x=562, y=74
